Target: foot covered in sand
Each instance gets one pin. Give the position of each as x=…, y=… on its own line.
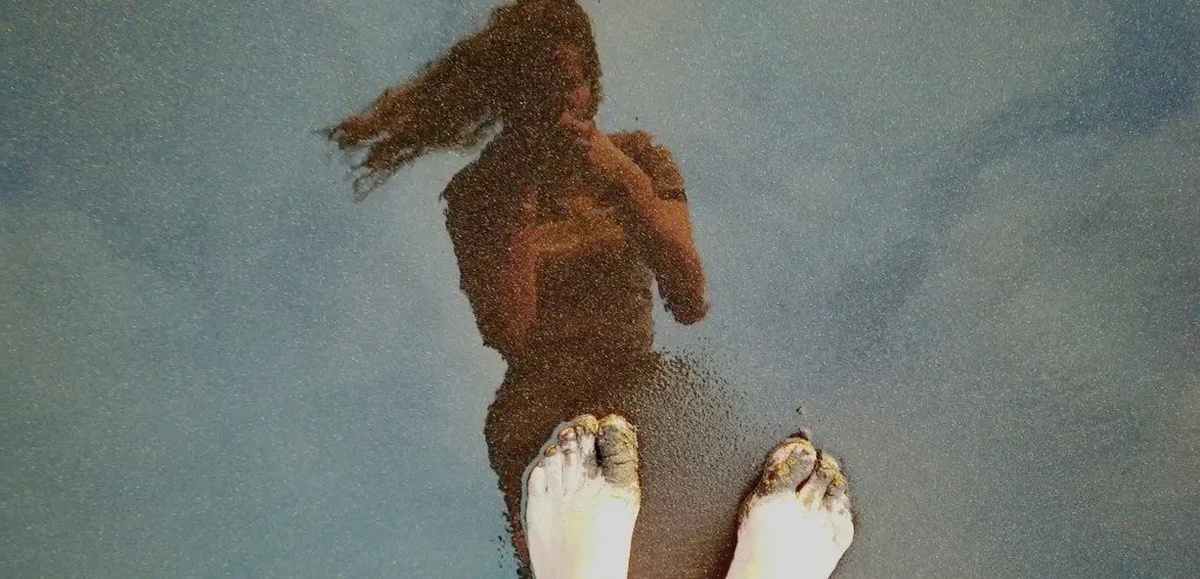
x=797, y=523
x=582, y=499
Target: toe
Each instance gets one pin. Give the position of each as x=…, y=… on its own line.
x=535, y=486
x=787, y=467
x=586, y=422
x=837, y=496
x=826, y=474
x=577, y=441
x=586, y=429
x=617, y=452
x=568, y=441
x=552, y=465
x=568, y=444
x=837, y=504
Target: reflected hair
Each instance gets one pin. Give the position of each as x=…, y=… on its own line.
x=458, y=99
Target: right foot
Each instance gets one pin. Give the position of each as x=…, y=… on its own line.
x=797, y=522
x=582, y=500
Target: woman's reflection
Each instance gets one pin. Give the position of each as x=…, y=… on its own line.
x=561, y=231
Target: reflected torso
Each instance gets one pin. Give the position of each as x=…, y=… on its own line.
x=598, y=301
x=590, y=351
x=601, y=300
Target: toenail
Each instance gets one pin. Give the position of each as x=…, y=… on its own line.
x=551, y=450
x=829, y=468
x=587, y=423
x=615, y=421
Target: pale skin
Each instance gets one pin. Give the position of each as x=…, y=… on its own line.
x=582, y=498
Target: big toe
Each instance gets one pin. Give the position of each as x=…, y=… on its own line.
x=788, y=466
x=826, y=477
x=617, y=451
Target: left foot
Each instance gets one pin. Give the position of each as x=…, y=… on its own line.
x=797, y=523
x=582, y=499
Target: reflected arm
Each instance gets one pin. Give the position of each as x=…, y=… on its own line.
x=654, y=211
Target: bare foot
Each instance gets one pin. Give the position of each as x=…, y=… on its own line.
x=582, y=499
x=797, y=523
